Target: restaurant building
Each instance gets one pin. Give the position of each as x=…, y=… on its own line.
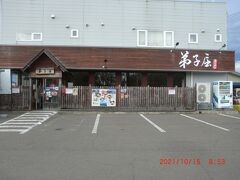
x=53, y=46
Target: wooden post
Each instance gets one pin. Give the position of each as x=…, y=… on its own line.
x=169, y=80
x=118, y=103
x=30, y=94
x=89, y=96
x=118, y=78
x=60, y=93
x=144, y=82
x=91, y=76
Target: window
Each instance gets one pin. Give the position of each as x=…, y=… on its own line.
x=105, y=79
x=156, y=79
x=142, y=38
x=74, y=33
x=168, y=38
x=179, y=79
x=23, y=37
x=29, y=37
x=79, y=78
x=192, y=38
x=15, y=79
x=218, y=38
x=36, y=37
x=155, y=38
x=131, y=79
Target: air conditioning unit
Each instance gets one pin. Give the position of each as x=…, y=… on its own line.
x=237, y=92
x=203, y=93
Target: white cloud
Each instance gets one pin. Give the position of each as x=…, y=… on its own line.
x=237, y=66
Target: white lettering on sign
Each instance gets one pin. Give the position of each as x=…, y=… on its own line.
x=185, y=60
x=45, y=71
x=206, y=62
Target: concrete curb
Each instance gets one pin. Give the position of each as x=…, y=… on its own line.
x=137, y=112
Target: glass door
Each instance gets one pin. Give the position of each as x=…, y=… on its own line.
x=51, y=93
x=37, y=93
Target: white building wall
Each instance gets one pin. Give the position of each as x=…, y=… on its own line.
x=193, y=77
x=233, y=77
x=119, y=18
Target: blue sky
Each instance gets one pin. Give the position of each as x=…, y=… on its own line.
x=234, y=29
x=233, y=6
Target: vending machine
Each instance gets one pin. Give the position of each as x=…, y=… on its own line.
x=223, y=94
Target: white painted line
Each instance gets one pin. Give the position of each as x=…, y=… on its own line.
x=23, y=132
x=44, y=120
x=54, y=112
x=38, y=113
x=32, y=119
x=24, y=120
x=37, y=117
x=152, y=123
x=20, y=123
x=11, y=130
x=205, y=122
x=94, y=131
x=29, y=117
x=14, y=126
x=34, y=115
x=234, y=117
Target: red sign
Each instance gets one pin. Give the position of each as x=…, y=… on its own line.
x=215, y=64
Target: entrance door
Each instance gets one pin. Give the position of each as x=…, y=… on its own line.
x=45, y=93
x=52, y=94
x=37, y=93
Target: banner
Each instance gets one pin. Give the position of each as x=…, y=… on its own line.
x=104, y=97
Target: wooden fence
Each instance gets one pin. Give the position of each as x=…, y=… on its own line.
x=127, y=99
x=135, y=99
x=19, y=101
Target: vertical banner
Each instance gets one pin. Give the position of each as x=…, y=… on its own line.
x=104, y=97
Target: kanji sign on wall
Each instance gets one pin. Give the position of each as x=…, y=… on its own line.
x=204, y=62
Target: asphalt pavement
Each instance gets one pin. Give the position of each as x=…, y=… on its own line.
x=124, y=146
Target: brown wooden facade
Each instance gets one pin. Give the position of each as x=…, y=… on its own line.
x=63, y=61
x=137, y=59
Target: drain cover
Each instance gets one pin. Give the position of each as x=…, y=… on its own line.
x=59, y=129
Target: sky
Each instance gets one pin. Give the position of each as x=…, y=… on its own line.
x=233, y=7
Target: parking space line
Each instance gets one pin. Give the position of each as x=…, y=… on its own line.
x=195, y=119
x=234, y=117
x=94, y=131
x=152, y=123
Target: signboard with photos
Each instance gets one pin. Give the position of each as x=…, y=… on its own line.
x=104, y=97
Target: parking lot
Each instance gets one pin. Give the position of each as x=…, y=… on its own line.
x=124, y=146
